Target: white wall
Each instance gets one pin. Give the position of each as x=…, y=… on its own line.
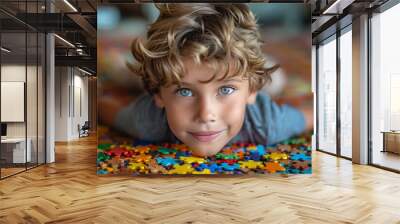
x=71, y=93
x=12, y=73
x=33, y=126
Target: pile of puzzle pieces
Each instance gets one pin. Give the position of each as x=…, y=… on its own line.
x=290, y=157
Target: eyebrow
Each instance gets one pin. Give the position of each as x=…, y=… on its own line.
x=233, y=79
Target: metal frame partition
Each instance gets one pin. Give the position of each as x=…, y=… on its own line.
x=337, y=29
x=380, y=9
x=43, y=53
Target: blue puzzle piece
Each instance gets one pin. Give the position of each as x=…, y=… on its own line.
x=295, y=171
x=102, y=172
x=254, y=155
x=212, y=167
x=166, y=161
x=228, y=167
x=300, y=156
x=260, y=149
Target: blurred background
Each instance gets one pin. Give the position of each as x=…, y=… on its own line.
x=285, y=29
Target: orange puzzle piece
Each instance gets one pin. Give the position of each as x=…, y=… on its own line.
x=272, y=167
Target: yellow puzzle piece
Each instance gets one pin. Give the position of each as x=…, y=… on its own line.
x=276, y=156
x=251, y=164
x=137, y=166
x=142, y=158
x=192, y=159
x=182, y=169
x=205, y=171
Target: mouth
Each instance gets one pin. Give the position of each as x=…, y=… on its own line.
x=207, y=136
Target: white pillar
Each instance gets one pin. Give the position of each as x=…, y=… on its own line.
x=360, y=89
x=50, y=93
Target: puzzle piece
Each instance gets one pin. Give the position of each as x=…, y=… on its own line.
x=251, y=164
x=260, y=149
x=272, y=167
x=115, y=152
x=254, y=155
x=142, y=149
x=299, y=156
x=118, y=151
x=137, y=167
x=275, y=156
x=227, y=151
x=192, y=159
x=228, y=161
x=142, y=158
x=226, y=156
x=212, y=167
x=182, y=169
x=167, y=151
x=240, y=154
x=205, y=171
x=166, y=161
x=228, y=167
x=103, y=165
x=102, y=172
x=251, y=148
x=104, y=146
x=180, y=147
x=182, y=153
x=155, y=168
x=102, y=157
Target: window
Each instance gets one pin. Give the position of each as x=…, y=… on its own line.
x=385, y=87
x=346, y=92
x=327, y=95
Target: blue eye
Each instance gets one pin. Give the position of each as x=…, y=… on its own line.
x=184, y=92
x=226, y=90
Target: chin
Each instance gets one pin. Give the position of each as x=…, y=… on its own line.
x=205, y=151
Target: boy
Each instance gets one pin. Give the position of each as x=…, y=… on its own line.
x=202, y=66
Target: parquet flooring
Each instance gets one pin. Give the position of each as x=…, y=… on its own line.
x=69, y=191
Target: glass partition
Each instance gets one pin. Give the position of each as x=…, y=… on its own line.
x=327, y=95
x=13, y=109
x=346, y=93
x=22, y=90
x=385, y=88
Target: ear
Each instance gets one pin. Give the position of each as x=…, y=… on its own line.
x=158, y=100
x=252, y=97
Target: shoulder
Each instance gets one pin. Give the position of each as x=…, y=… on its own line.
x=144, y=120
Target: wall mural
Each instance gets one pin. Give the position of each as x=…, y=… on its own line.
x=204, y=89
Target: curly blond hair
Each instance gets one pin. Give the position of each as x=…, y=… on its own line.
x=207, y=33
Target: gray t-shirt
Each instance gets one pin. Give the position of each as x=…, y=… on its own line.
x=265, y=122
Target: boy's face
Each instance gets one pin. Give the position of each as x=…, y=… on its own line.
x=205, y=116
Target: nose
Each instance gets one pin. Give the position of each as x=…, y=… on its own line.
x=206, y=110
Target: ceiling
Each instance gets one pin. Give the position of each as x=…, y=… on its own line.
x=73, y=20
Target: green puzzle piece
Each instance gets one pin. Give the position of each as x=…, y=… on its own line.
x=102, y=157
x=226, y=156
x=104, y=146
x=166, y=151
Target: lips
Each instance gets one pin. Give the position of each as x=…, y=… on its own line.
x=207, y=136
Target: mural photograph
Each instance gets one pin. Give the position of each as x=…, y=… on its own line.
x=201, y=88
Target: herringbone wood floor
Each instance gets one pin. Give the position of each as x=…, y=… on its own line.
x=69, y=191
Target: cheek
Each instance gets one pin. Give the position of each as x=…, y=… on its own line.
x=178, y=117
x=234, y=112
